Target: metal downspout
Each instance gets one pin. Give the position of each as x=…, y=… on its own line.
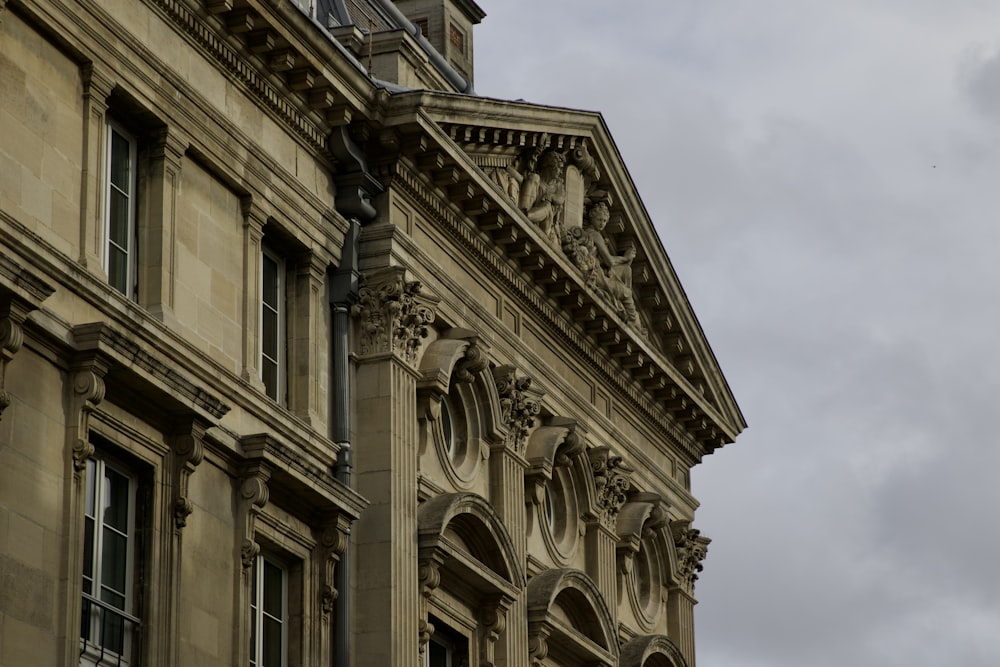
x=343, y=294
x=355, y=189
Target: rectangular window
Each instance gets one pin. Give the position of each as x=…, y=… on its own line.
x=120, y=210
x=272, y=325
x=268, y=614
x=109, y=629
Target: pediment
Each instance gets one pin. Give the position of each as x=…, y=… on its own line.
x=549, y=189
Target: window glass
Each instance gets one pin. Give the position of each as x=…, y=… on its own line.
x=108, y=627
x=271, y=325
x=268, y=614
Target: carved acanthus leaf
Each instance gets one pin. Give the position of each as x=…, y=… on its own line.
x=612, y=481
x=691, y=551
x=394, y=316
x=517, y=408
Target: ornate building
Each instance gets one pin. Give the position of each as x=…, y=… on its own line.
x=311, y=356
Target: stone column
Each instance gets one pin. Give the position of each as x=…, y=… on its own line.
x=393, y=318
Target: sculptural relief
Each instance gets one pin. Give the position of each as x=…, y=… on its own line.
x=543, y=194
x=607, y=273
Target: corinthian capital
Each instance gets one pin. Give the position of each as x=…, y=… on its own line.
x=518, y=408
x=393, y=313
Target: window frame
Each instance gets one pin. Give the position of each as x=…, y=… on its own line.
x=277, y=392
x=93, y=652
x=130, y=288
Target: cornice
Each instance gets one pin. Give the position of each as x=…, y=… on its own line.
x=409, y=179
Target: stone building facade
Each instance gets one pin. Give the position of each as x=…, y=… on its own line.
x=311, y=356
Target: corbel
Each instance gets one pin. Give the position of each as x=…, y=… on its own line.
x=336, y=530
x=188, y=450
x=553, y=444
x=88, y=392
x=253, y=497
x=429, y=577
x=538, y=644
x=13, y=311
x=493, y=621
x=642, y=515
x=612, y=482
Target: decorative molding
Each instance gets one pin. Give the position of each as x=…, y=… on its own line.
x=410, y=179
x=163, y=381
x=231, y=61
x=518, y=408
x=394, y=315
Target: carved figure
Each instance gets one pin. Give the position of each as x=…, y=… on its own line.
x=609, y=274
x=543, y=194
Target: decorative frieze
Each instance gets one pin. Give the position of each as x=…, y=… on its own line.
x=394, y=315
x=518, y=408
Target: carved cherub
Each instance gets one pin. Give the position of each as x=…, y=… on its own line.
x=616, y=283
x=543, y=194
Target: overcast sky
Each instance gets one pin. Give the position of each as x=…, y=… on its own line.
x=825, y=177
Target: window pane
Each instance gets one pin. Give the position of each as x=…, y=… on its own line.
x=120, y=161
x=272, y=649
x=118, y=218
x=117, y=269
x=116, y=500
x=269, y=333
x=269, y=286
x=269, y=373
x=273, y=590
x=114, y=566
x=88, y=555
x=91, y=475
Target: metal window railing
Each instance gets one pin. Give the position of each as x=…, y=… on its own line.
x=117, y=635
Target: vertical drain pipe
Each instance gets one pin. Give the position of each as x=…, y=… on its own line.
x=343, y=294
x=355, y=189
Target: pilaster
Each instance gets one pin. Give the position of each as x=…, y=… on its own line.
x=393, y=317
x=253, y=233
x=157, y=231
x=306, y=339
x=611, y=479
x=96, y=89
x=507, y=467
